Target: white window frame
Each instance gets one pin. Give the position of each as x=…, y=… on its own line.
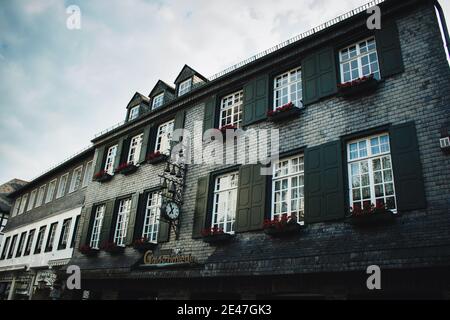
x=123, y=216
x=32, y=199
x=40, y=240
x=225, y=201
x=62, y=185
x=40, y=196
x=152, y=215
x=231, y=109
x=15, y=212
x=65, y=232
x=88, y=173
x=50, y=243
x=135, y=149
x=50, y=191
x=134, y=113
x=23, y=203
x=29, y=242
x=77, y=176
x=359, y=54
x=289, y=169
x=184, y=87
x=158, y=100
x=97, y=224
x=366, y=154
x=110, y=159
x=287, y=87
x=164, y=137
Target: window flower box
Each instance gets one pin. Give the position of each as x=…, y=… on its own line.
x=287, y=111
x=364, y=85
x=88, y=251
x=143, y=245
x=156, y=157
x=285, y=226
x=371, y=216
x=102, y=176
x=126, y=168
x=112, y=248
x=224, y=129
x=216, y=236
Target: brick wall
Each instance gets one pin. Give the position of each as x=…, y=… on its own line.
x=419, y=238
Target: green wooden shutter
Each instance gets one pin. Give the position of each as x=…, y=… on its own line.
x=324, y=187
x=144, y=147
x=179, y=120
x=209, y=115
x=86, y=226
x=105, y=234
x=178, y=124
x=99, y=164
x=388, y=49
x=408, y=179
x=119, y=152
x=256, y=98
x=140, y=213
x=132, y=218
x=122, y=151
x=250, y=210
x=201, y=205
x=319, y=75
x=164, y=230
x=152, y=139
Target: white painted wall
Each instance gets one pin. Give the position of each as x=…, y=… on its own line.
x=41, y=259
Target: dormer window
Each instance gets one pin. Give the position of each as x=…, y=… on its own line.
x=185, y=87
x=158, y=101
x=134, y=113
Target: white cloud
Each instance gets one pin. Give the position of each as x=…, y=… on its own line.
x=59, y=87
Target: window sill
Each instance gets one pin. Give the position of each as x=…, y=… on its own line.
x=358, y=89
x=375, y=219
x=290, y=114
x=130, y=169
x=157, y=159
x=288, y=230
x=104, y=178
x=218, y=239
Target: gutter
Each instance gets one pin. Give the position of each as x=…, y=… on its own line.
x=444, y=25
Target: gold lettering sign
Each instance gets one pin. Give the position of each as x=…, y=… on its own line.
x=150, y=259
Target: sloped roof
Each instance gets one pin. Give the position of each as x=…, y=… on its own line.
x=160, y=86
x=137, y=97
x=187, y=72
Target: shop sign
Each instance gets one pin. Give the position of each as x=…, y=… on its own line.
x=167, y=260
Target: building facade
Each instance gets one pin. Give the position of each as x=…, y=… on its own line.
x=40, y=234
x=5, y=202
x=360, y=114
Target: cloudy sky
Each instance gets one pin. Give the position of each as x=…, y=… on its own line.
x=58, y=87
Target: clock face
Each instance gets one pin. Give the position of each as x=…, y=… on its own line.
x=172, y=210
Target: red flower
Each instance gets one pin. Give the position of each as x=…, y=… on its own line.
x=153, y=155
x=212, y=231
x=280, y=223
x=227, y=127
x=100, y=174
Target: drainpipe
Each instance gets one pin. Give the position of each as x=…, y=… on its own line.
x=444, y=25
